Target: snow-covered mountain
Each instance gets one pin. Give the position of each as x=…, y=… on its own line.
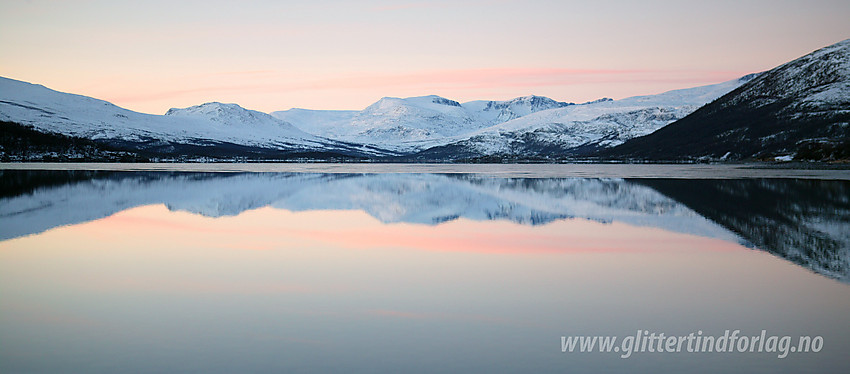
x=799, y=109
x=234, y=115
x=415, y=123
x=412, y=120
x=495, y=112
x=327, y=123
x=444, y=129
x=206, y=125
x=818, y=81
x=405, y=124
x=439, y=129
x=388, y=127
x=580, y=129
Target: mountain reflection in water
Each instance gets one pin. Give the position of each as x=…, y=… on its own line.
x=804, y=221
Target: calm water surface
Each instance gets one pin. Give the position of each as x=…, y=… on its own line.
x=452, y=270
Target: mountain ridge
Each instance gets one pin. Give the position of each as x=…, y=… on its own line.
x=794, y=110
x=580, y=130
x=798, y=110
x=212, y=128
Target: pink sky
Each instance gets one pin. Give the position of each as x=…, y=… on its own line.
x=275, y=55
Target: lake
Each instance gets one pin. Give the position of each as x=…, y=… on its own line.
x=362, y=268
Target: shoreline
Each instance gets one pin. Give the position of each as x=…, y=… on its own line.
x=536, y=170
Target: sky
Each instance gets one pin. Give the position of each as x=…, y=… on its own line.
x=153, y=55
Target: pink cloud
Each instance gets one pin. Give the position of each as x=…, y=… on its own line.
x=522, y=79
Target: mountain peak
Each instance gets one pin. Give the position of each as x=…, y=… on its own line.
x=748, y=77
x=523, y=105
x=797, y=109
x=531, y=98
x=210, y=107
x=534, y=99
x=601, y=100
x=443, y=101
x=233, y=115
x=430, y=102
x=818, y=78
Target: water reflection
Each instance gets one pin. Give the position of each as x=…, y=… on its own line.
x=268, y=272
x=804, y=221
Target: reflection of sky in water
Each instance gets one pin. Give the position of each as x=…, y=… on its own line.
x=149, y=289
x=804, y=221
x=413, y=198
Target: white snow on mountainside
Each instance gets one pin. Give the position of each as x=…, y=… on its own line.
x=316, y=122
x=521, y=126
x=494, y=127
x=496, y=112
x=400, y=124
x=603, y=123
x=413, y=123
x=819, y=81
x=234, y=115
x=52, y=111
x=411, y=120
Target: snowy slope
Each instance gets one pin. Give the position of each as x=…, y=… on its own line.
x=800, y=109
x=496, y=112
x=414, y=123
x=817, y=81
x=51, y=111
x=235, y=116
x=391, y=123
x=317, y=122
x=525, y=127
x=596, y=124
x=405, y=122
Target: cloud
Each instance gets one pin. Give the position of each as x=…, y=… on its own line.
x=522, y=79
